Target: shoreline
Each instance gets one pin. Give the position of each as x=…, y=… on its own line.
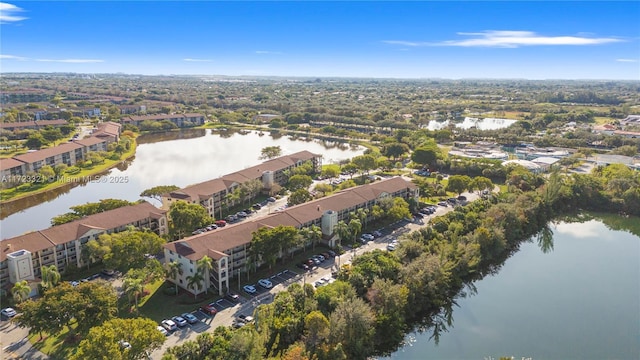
x=72, y=180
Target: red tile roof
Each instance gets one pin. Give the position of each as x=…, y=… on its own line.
x=45, y=153
x=60, y=234
x=8, y=163
x=231, y=236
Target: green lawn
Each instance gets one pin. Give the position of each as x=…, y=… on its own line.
x=60, y=346
x=36, y=188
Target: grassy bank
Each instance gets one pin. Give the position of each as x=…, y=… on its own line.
x=30, y=189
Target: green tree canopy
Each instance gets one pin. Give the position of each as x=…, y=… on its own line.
x=270, y=152
x=106, y=341
x=157, y=191
x=186, y=217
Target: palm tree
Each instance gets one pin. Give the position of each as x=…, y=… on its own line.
x=314, y=235
x=343, y=231
x=173, y=269
x=133, y=288
x=204, y=266
x=195, y=282
x=362, y=215
x=355, y=226
x=50, y=276
x=21, y=291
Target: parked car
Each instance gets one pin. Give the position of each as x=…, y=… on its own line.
x=179, y=320
x=242, y=214
x=245, y=318
x=191, y=319
x=169, y=325
x=249, y=289
x=442, y=203
x=265, y=283
x=303, y=266
x=162, y=330
x=237, y=324
x=8, y=312
x=209, y=309
x=232, y=297
x=418, y=216
x=319, y=257
x=318, y=283
x=391, y=247
x=311, y=262
x=197, y=232
x=109, y=272
x=257, y=206
x=377, y=233
x=221, y=223
x=462, y=198
x=368, y=236
x=271, y=199
x=332, y=253
x=124, y=344
x=326, y=255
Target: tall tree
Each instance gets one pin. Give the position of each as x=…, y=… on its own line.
x=50, y=276
x=173, y=269
x=459, y=183
x=343, y=230
x=21, y=291
x=356, y=227
x=156, y=192
x=187, y=217
x=353, y=325
x=195, y=282
x=133, y=288
x=106, y=341
x=204, y=266
x=270, y=152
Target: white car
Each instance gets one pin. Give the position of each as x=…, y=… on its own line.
x=368, y=237
x=162, y=330
x=265, y=283
x=169, y=325
x=391, y=247
x=8, y=312
x=249, y=289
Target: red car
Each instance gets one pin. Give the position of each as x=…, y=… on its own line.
x=220, y=223
x=209, y=309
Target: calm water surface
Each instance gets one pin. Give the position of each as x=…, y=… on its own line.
x=176, y=158
x=579, y=301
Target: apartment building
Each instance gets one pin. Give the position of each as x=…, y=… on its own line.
x=21, y=257
x=211, y=194
x=181, y=120
x=229, y=246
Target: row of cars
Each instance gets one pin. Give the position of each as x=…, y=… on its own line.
x=316, y=260
x=168, y=326
x=251, y=289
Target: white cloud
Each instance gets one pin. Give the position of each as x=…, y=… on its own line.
x=510, y=39
x=196, y=60
x=268, y=52
x=73, y=61
x=13, y=57
x=627, y=60
x=9, y=13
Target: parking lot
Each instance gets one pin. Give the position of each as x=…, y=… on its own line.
x=285, y=277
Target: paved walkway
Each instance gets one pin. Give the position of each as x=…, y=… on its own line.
x=15, y=344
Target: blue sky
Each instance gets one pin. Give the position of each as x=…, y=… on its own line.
x=453, y=39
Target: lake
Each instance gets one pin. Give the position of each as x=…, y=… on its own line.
x=579, y=301
x=173, y=158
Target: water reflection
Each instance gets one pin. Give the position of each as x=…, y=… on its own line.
x=176, y=158
x=545, y=239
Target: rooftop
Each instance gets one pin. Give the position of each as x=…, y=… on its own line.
x=231, y=236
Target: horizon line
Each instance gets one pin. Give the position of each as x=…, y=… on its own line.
x=322, y=76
